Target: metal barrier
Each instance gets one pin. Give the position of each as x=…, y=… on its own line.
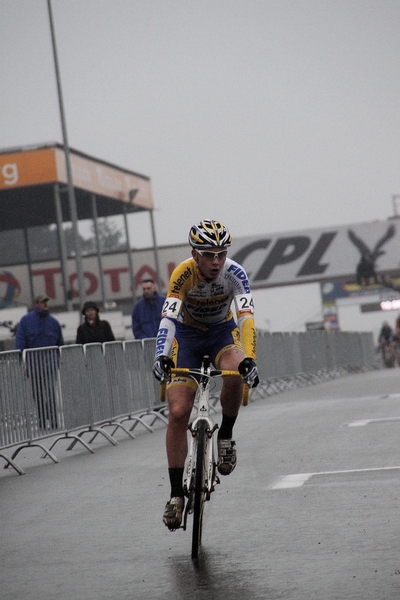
x=76, y=406
x=15, y=420
x=101, y=390
x=138, y=384
x=28, y=400
x=64, y=393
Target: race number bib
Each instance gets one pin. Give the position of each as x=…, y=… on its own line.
x=244, y=303
x=171, y=308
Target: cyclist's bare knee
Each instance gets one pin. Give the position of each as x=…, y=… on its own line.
x=180, y=402
x=230, y=359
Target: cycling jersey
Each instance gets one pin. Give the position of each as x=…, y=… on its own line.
x=198, y=303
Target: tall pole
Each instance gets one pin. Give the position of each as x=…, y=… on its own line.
x=71, y=190
x=98, y=249
x=129, y=250
x=155, y=246
x=29, y=261
x=63, y=249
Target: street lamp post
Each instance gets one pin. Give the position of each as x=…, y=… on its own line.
x=71, y=190
x=132, y=194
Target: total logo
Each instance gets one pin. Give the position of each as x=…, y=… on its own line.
x=10, y=289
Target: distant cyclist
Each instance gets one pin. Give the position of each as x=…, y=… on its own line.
x=396, y=339
x=197, y=320
x=386, y=343
x=396, y=333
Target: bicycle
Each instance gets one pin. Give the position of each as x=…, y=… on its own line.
x=396, y=349
x=201, y=465
x=388, y=353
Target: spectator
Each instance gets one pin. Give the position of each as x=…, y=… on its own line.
x=39, y=329
x=93, y=329
x=146, y=314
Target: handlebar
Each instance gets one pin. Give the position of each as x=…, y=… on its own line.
x=212, y=373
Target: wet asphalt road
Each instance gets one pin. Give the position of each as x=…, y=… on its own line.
x=90, y=527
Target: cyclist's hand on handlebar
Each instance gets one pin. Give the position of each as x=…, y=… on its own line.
x=248, y=369
x=162, y=368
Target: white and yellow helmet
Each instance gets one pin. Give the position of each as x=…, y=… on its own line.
x=209, y=234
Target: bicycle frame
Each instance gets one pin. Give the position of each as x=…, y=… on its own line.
x=203, y=415
x=200, y=475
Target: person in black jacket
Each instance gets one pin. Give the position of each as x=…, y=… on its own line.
x=93, y=329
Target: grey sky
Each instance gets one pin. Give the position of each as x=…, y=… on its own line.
x=270, y=115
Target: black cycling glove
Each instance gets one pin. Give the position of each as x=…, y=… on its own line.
x=162, y=368
x=248, y=369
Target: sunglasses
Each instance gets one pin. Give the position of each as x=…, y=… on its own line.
x=212, y=255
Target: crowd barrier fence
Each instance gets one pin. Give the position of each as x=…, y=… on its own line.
x=96, y=389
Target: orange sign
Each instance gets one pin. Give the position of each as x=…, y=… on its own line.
x=27, y=168
x=48, y=165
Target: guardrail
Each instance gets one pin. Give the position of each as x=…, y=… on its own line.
x=73, y=391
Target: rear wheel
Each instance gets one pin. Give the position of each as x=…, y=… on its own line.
x=199, y=492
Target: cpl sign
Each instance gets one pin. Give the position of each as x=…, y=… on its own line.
x=285, y=251
x=319, y=254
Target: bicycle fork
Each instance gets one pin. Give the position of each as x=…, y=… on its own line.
x=211, y=479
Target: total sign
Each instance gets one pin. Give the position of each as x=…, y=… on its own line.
x=10, y=288
x=47, y=277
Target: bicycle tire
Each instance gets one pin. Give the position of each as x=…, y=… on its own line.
x=199, y=491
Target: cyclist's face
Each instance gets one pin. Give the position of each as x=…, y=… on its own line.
x=210, y=263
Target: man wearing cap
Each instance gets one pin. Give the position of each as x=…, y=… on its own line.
x=93, y=329
x=39, y=329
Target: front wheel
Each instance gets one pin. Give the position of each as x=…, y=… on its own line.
x=388, y=355
x=199, y=492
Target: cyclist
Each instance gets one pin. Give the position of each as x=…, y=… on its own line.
x=197, y=320
x=396, y=335
x=385, y=340
x=396, y=339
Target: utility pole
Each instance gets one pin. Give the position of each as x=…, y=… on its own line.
x=71, y=191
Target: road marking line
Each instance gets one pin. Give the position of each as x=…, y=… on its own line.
x=298, y=479
x=292, y=481
x=364, y=422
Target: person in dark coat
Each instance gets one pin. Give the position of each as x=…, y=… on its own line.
x=146, y=315
x=39, y=329
x=93, y=329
